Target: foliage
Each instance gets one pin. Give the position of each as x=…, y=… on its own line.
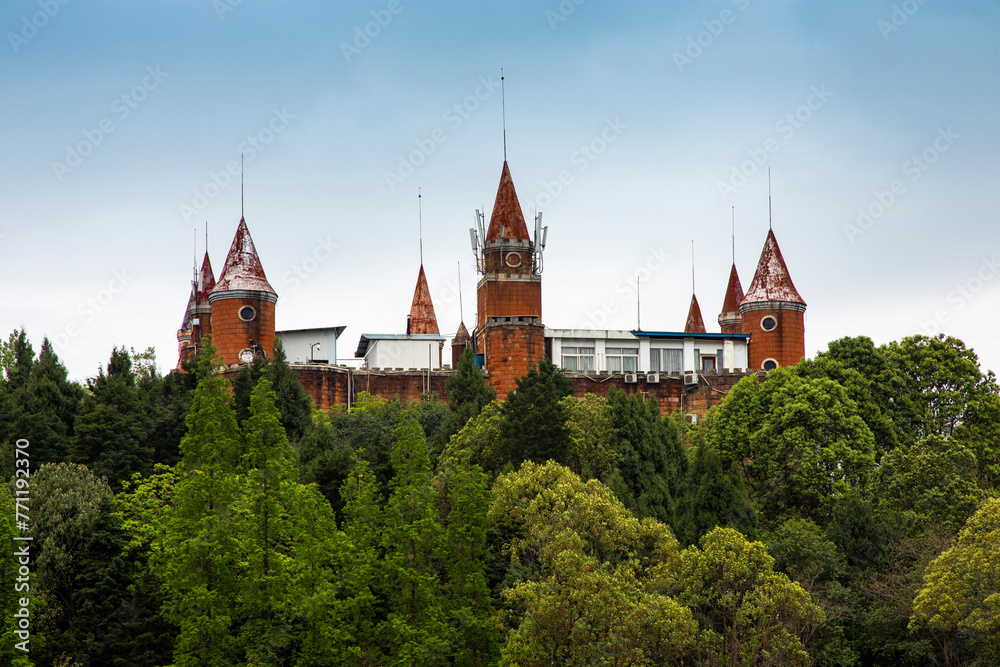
x=715, y=495
x=534, y=418
x=467, y=393
x=592, y=454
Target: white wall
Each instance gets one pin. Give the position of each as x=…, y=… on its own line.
x=404, y=354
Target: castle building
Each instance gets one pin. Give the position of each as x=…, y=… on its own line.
x=688, y=370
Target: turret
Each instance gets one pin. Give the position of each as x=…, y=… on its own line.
x=242, y=303
x=422, y=319
x=773, y=313
x=729, y=319
x=695, y=323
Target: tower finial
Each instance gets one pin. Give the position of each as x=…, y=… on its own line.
x=241, y=187
x=770, y=224
x=503, y=111
x=461, y=312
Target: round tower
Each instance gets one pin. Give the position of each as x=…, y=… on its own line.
x=772, y=313
x=242, y=304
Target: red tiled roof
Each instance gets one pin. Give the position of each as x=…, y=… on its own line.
x=772, y=282
x=695, y=323
x=734, y=293
x=507, y=220
x=243, y=270
x=422, y=318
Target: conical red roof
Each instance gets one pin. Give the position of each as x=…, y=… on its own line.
x=186, y=322
x=772, y=282
x=734, y=293
x=206, y=279
x=462, y=335
x=695, y=323
x=507, y=220
x=243, y=270
x=422, y=318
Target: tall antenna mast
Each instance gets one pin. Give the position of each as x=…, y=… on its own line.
x=769, y=219
x=734, y=236
x=503, y=111
x=241, y=185
x=461, y=311
x=692, y=267
x=638, y=306
x=194, y=257
x=420, y=221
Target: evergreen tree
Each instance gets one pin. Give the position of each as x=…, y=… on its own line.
x=715, y=496
x=534, y=419
x=467, y=393
x=201, y=561
x=414, y=632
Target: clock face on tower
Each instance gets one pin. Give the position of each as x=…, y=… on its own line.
x=246, y=356
x=513, y=260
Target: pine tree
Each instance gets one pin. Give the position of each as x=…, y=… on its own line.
x=467, y=393
x=534, y=424
x=715, y=496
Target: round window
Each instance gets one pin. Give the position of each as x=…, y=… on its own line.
x=769, y=364
x=768, y=323
x=247, y=313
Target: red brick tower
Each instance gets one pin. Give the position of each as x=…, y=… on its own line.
x=729, y=318
x=242, y=304
x=695, y=323
x=422, y=319
x=197, y=324
x=509, y=333
x=773, y=313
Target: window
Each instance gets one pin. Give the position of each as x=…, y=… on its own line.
x=247, y=313
x=708, y=363
x=665, y=361
x=769, y=364
x=622, y=359
x=768, y=323
x=578, y=358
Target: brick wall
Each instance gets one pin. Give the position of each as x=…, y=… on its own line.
x=230, y=334
x=671, y=393
x=511, y=349
x=786, y=343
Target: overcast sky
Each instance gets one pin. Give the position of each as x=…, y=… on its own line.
x=635, y=127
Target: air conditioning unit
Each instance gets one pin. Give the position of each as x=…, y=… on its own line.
x=631, y=378
x=691, y=418
x=690, y=377
x=653, y=378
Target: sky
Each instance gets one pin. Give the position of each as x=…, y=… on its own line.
x=634, y=127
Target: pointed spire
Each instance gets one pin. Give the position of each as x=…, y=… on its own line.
x=772, y=282
x=422, y=317
x=507, y=219
x=186, y=322
x=695, y=323
x=242, y=270
x=462, y=335
x=734, y=293
x=206, y=278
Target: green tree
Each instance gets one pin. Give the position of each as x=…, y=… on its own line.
x=749, y=613
x=13, y=591
x=467, y=393
x=592, y=454
x=960, y=592
x=415, y=631
x=363, y=524
x=534, y=418
x=481, y=439
x=715, y=496
x=201, y=560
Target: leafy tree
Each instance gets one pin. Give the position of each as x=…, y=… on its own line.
x=960, y=591
x=481, y=439
x=363, y=525
x=750, y=614
x=14, y=591
x=467, y=393
x=81, y=566
x=293, y=402
x=432, y=415
x=935, y=479
x=534, y=419
x=592, y=453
